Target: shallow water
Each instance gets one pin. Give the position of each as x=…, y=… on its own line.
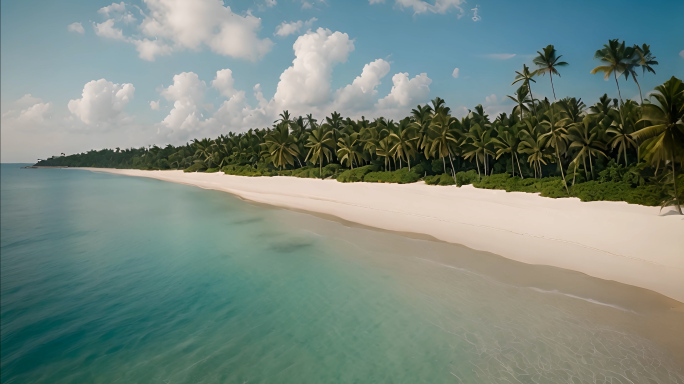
x=114, y=279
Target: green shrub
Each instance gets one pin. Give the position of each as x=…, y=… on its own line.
x=465, y=178
x=211, y=170
x=443, y=179
x=401, y=176
x=356, y=174
x=246, y=170
x=650, y=195
x=197, y=167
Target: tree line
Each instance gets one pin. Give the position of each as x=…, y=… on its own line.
x=538, y=139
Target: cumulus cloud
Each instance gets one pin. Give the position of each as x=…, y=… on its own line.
x=362, y=91
x=154, y=105
x=307, y=81
x=681, y=54
x=173, y=25
x=455, y=73
x=420, y=6
x=186, y=93
x=101, y=101
x=26, y=113
x=113, y=8
x=287, y=29
x=499, y=56
x=107, y=29
x=76, y=27
x=224, y=83
x=406, y=92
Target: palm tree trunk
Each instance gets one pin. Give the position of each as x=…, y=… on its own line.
x=560, y=165
x=409, y=163
x=639, y=86
x=591, y=166
x=453, y=173
x=320, y=168
x=513, y=163
x=552, y=89
x=477, y=163
x=443, y=164
x=520, y=170
x=624, y=147
x=532, y=96
x=618, y=87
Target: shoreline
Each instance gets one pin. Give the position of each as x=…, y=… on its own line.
x=627, y=243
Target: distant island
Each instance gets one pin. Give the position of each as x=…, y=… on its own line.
x=615, y=149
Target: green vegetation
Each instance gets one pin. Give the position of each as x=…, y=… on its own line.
x=616, y=149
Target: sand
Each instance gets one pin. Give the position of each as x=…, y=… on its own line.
x=631, y=244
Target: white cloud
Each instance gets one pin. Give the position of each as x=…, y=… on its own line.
x=499, y=56
x=361, y=92
x=187, y=94
x=113, y=8
x=455, y=73
x=106, y=29
x=420, y=6
x=286, y=29
x=307, y=81
x=308, y=4
x=102, y=101
x=154, y=105
x=681, y=54
x=27, y=112
x=175, y=25
x=76, y=27
x=406, y=92
x=271, y=3
x=224, y=83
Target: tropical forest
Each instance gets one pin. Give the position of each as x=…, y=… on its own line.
x=609, y=149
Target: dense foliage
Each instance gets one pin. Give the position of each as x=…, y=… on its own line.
x=612, y=150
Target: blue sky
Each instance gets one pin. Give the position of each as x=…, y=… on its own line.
x=91, y=88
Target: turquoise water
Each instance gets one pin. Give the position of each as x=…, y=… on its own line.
x=113, y=279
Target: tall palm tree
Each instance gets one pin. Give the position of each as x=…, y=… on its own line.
x=442, y=138
x=508, y=142
x=534, y=144
x=403, y=139
x=526, y=76
x=663, y=138
x=556, y=130
x=319, y=143
x=644, y=59
x=620, y=130
x=281, y=146
x=616, y=59
x=521, y=97
x=349, y=150
x=585, y=139
x=547, y=62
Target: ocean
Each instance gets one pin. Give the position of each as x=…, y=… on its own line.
x=115, y=279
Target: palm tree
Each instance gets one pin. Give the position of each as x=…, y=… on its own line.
x=621, y=130
x=535, y=146
x=508, y=141
x=521, y=98
x=547, y=62
x=555, y=127
x=616, y=59
x=349, y=150
x=644, y=59
x=584, y=138
x=319, y=143
x=526, y=76
x=281, y=146
x=403, y=141
x=442, y=138
x=663, y=138
x=383, y=148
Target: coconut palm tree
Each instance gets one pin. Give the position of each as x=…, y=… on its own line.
x=526, y=76
x=616, y=59
x=442, y=138
x=584, y=137
x=521, y=97
x=281, y=146
x=319, y=143
x=508, y=142
x=349, y=150
x=663, y=137
x=403, y=141
x=620, y=130
x=547, y=62
x=643, y=58
x=556, y=130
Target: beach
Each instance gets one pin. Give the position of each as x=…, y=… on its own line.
x=630, y=244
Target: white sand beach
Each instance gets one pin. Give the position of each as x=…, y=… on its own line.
x=630, y=244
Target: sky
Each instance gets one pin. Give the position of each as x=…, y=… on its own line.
x=89, y=74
